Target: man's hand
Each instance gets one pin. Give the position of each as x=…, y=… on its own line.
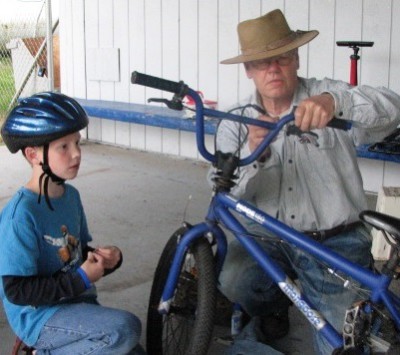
x=315, y=112
x=257, y=134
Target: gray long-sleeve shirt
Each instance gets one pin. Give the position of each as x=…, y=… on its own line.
x=313, y=187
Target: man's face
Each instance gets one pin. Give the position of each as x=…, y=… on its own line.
x=275, y=78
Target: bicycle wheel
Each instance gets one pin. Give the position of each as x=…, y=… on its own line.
x=187, y=328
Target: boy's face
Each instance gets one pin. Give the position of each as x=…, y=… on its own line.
x=65, y=156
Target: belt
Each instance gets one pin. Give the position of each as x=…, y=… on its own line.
x=322, y=235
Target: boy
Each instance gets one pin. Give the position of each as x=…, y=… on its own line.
x=47, y=268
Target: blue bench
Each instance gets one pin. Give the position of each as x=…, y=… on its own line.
x=149, y=115
x=158, y=116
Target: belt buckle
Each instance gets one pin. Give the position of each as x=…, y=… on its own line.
x=318, y=236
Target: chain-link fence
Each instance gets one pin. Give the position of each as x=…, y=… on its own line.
x=24, y=64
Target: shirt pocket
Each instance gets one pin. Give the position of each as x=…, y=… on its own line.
x=326, y=138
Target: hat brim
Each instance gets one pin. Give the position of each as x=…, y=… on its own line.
x=299, y=41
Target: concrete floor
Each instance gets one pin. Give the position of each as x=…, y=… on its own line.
x=134, y=200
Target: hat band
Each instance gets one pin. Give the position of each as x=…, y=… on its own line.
x=274, y=45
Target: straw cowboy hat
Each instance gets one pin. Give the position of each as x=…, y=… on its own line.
x=268, y=36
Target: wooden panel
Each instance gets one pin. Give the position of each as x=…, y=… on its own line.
x=138, y=136
x=208, y=50
x=121, y=42
x=170, y=141
x=372, y=173
x=376, y=27
x=92, y=41
x=79, y=60
x=188, y=49
x=122, y=133
x=394, y=69
x=170, y=41
x=153, y=43
x=391, y=175
x=248, y=9
x=348, y=27
x=137, y=47
x=299, y=20
x=188, y=145
x=321, y=48
x=228, y=47
x=153, y=139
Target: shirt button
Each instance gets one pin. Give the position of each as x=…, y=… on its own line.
x=292, y=216
x=290, y=189
x=341, y=113
x=255, y=166
x=290, y=161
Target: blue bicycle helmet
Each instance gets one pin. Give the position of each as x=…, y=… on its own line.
x=41, y=119
x=38, y=120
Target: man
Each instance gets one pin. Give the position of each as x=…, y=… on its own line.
x=309, y=181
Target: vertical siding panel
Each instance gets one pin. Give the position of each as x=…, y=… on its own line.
x=208, y=52
x=376, y=27
x=106, y=40
x=372, y=173
x=92, y=41
x=138, y=136
x=394, y=68
x=170, y=40
x=188, y=49
x=321, y=49
x=297, y=15
x=153, y=43
x=347, y=28
x=391, y=174
x=78, y=37
x=66, y=68
x=121, y=41
x=248, y=9
x=137, y=47
x=228, y=19
x=208, y=49
x=170, y=64
x=153, y=64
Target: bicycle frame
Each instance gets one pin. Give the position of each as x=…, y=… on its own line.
x=220, y=212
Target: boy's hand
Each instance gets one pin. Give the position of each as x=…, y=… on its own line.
x=110, y=254
x=94, y=267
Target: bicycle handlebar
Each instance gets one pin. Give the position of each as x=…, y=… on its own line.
x=180, y=90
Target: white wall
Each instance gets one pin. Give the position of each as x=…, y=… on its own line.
x=186, y=39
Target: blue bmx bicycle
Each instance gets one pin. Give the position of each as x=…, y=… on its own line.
x=181, y=311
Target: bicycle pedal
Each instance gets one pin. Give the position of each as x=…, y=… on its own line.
x=226, y=340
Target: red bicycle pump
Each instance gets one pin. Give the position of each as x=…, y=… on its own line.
x=355, y=45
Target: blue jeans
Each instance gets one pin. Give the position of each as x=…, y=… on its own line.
x=85, y=328
x=243, y=281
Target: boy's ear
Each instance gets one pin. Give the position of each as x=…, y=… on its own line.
x=33, y=155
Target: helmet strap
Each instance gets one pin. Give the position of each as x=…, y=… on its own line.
x=47, y=174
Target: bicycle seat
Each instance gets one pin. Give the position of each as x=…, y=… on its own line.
x=382, y=222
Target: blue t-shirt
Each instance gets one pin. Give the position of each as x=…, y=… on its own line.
x=38, y=241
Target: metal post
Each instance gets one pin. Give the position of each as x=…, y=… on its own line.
x=50, y=61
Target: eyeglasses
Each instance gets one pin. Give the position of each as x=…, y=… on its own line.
x=282, y=60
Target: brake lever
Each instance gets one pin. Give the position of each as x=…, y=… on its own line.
x=174, y=104
x=305, y=137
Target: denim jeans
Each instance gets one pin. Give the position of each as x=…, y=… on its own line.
x=85, y=328
x=243, y=281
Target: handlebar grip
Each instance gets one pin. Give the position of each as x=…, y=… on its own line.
x=158, y=83
x=339, y=123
